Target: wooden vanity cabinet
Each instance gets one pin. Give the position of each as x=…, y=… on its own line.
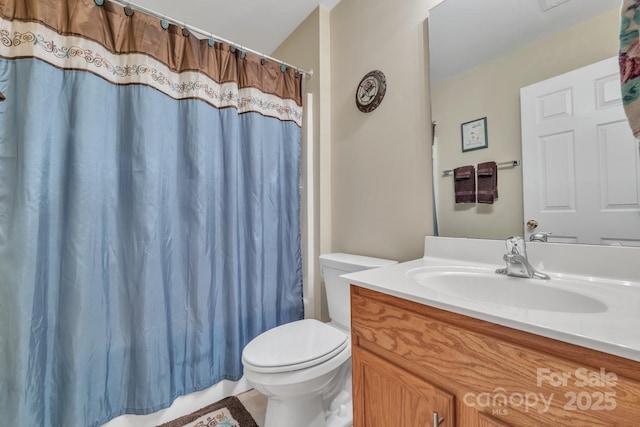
x=411, y=361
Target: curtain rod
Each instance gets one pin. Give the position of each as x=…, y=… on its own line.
x=211, y=36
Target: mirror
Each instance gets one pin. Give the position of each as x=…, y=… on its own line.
x=481, y=54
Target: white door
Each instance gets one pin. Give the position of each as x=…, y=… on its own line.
x=580, y=161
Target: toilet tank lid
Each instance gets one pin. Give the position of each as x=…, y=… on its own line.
x=351, y=262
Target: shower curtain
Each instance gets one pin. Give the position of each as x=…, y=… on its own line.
x=149, y=210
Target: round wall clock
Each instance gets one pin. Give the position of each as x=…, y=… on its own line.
x=371, y=91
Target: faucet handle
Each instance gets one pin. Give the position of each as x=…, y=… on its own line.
x=539, y=236
x=516, y=246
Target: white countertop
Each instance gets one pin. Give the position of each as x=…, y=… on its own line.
x=614, y=331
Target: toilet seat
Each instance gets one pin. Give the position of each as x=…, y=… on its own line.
x=294, y=346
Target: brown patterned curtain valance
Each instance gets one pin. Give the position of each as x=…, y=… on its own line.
x=118, y=33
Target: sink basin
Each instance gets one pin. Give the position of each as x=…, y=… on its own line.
x=484, y=285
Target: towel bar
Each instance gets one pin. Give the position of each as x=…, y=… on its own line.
x=511, y=163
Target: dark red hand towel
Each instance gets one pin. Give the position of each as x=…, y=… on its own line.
x=465, y=184
x=487, y=182
x=2, y=98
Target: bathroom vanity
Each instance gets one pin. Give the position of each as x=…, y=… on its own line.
x=423, y=356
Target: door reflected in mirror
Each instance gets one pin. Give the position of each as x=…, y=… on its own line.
x=481, y=55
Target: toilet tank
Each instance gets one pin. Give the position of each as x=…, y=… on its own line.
x=338, y=297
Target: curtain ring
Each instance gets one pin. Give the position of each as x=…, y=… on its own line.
x=185, y=32
x=99, y=2
x=211, y=41
x=232, y=49
x=262, y=61
x=164, y=24
x=128, y=10
x=243, y=54
x=283, y=68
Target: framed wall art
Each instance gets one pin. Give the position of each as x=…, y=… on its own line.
x=474, y=135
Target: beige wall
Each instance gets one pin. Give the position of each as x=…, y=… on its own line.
x=308, y=47
x=373, y=171
x=381, y=165
x=492, y=90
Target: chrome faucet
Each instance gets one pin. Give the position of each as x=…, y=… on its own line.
x=517, y=261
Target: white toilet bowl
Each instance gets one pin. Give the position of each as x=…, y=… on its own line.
x=316, y=364
x=304, y=367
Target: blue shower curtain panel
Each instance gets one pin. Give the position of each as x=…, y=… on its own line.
x=143, y=242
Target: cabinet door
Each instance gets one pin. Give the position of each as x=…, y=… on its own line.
x=385, y=395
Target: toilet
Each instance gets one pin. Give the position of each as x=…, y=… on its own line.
x=304, y=367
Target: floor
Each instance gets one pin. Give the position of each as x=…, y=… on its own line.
x=256, y=404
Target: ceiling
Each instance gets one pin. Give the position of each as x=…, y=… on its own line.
x=260, y=25
x=498, y=27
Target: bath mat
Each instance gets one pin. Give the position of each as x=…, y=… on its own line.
x=228, y=412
